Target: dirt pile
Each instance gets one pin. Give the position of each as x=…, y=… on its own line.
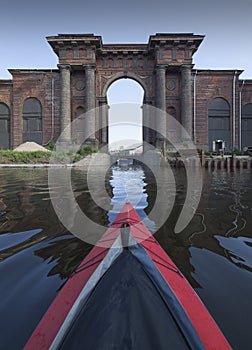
x=30, y=147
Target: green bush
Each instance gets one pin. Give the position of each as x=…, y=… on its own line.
x=71, y=155
x=237, y=152
x=86, y=150
x=51, y=146
x=24, y=157
x=83, y=152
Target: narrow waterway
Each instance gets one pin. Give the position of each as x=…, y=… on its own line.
x=37, y=253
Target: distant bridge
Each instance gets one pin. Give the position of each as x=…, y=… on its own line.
x=149, y=158
x=116, y=156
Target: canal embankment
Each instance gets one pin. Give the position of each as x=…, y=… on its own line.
x=212, y=161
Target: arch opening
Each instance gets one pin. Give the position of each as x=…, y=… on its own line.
x=32, y=120
x=125, y=128
x=219, y=125
x=4, y=126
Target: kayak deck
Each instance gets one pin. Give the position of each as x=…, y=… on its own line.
x=127, y=294
x=129, y=313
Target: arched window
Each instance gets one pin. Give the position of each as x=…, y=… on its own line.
x=246, y=126
x=4, y=126
x=218, y=122
x=32, y=120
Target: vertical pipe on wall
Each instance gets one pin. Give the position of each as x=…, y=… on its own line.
x=194, y=108
x=234, y=78
x=240, y=116
x=52, y=104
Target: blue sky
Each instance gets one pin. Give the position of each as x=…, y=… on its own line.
x=226, y=24
x=227, y=27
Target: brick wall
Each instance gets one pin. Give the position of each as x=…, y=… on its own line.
x=209, y=85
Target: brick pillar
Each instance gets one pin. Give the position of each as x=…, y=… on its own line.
x=65, y=103
x=103, y=113
x=149, y=134
x=90, y=103
x=161, y=105
x=186, y=99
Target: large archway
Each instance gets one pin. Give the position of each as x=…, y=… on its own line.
x=163, y=67
x=125, y=99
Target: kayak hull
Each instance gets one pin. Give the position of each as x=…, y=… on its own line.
x=134, y=244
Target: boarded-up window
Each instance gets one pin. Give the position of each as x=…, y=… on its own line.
x=78, y=126
x=62, y=54
x=171, y=127
x=89, y=53
x=247, y=125
x=32, y=120
x=76, y=53
x=219, y=122
x=4, y=126
x=174, y=53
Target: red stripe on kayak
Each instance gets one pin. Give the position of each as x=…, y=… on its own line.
x=207, y=329
x=50, y=324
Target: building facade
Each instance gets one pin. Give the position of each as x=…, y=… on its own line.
x=212, y=105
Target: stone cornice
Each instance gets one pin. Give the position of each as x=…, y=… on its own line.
x=161, y=66
x=184, y=40
x=123, y=48
x=31, y=71
x=187, y=40
x=218, y=71
x=89, y=66
x=6, y=81
x=74, y=39
x=186, y=66
x=64, y=66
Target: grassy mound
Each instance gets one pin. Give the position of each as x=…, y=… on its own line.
x=40, y=157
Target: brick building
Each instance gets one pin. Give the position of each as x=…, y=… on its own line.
x=37, y=104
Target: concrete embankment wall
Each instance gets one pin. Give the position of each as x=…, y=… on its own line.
x=230, y=162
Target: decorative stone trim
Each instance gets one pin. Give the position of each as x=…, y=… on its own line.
x=171, y=85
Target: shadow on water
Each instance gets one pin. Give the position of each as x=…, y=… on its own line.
x=37, y=253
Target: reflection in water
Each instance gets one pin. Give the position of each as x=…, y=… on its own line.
x=238, y=250
x=37, y=254
x=226, y=290
x=128, y=185
x=8, y=240
x=225, y=205
x=221, y=256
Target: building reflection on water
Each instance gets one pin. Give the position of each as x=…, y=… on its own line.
x=37, y=253
x=224, y=210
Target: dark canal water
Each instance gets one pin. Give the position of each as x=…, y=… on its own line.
x=37, y=254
